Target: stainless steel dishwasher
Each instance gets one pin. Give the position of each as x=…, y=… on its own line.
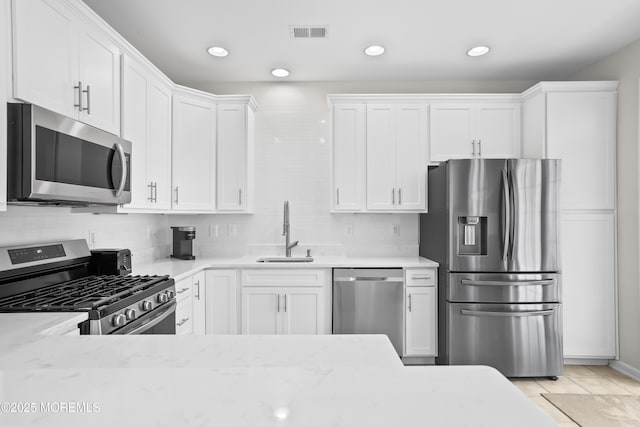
x=369, y=301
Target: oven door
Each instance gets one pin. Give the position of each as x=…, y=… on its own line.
x=59, y=159
x=161, y=321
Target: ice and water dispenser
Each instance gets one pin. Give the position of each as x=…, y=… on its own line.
x=472, y=235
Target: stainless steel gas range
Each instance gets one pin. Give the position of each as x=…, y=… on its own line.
x=55, y=277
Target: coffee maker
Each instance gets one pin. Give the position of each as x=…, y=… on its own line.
x=183, y=242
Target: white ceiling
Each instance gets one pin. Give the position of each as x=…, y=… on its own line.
x=425, y=39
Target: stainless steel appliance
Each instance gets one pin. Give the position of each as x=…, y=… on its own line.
x=183, y=242
x=110, y=261
x=369, y=301
x=54, y=277
x=53, y=159
x=493, y=227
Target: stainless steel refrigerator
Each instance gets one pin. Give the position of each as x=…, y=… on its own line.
x=493, y=225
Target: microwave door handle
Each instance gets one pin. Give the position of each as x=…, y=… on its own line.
x=123, y=162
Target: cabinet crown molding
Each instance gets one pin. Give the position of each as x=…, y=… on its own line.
x=421, y=98
x=571, y=86
x=218, y=99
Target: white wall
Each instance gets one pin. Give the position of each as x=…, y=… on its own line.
x=625, y=67
x=32, y=224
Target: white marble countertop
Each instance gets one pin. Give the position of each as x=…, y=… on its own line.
x=179, y=269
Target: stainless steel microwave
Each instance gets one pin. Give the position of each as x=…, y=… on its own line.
x=53, y=159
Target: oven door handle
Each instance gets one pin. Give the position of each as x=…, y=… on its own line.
x=123, y=163
x=169, y=309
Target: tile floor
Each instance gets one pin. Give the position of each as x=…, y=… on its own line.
x=577, y=379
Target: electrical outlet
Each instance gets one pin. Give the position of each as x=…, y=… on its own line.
x=232, y=230
x=348, y=230
x=396, y=229
x=92, y=238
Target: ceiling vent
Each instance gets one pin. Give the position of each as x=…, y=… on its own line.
x=309, y=31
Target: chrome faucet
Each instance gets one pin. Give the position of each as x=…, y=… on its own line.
x=285, y=231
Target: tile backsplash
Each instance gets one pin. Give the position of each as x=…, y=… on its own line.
x=292, y=162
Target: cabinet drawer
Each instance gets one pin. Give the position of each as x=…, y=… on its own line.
x=184, y=288
x=421, y=277
x=184, y=316
x=279, y=278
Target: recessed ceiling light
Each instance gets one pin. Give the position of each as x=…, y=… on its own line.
x=374, y=50
x=218, y=51
x=280, y=72
x=478, y=51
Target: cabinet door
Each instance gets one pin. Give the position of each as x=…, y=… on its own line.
x=261, y=310
x=221, y=302
x=348, y=152
x=193, y=154
x=581, y=132
x=134, y=129
x=497, y=130
x=44, y=55
x=303, y=311
x=199, y=303
x=99, y=72
x=451, y=131
x=5, y=36
x=588, y=288
x=411, y=159
x=420, y=317
x=381, y=158
x=159, y=143
x=232, y=157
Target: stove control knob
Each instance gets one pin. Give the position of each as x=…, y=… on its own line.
x=171, y=294
x=162, y=298
x=146, y=305
x=130, y=314
x=118, y=320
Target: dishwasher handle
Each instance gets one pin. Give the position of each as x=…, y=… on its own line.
x=369, y=279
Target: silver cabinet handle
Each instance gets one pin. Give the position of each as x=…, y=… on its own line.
x=285, y=302
x=150, y=198
x=198, y=287
x=393, y=196
x=479, y=148
x=183, y=290
x=526, y=313
x=337, y=196
x=176, y=191
x=278, y=298
x=409, y=303
x=399, y=196
x=182, y=322
x=79, y=104
x=240, y=196
x=421, y=277
x=473, y=148
x=123, y=176
x=88, y=107
x=155, y=192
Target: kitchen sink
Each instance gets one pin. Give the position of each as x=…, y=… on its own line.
x=285, y=259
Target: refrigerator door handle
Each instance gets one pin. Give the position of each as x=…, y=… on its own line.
x=528, y=313
x=507, y=283
x=506, y=215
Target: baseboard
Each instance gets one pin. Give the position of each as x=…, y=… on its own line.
x=625, y=368
x=580, y=361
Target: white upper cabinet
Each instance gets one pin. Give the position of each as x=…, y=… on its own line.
x=65, y=65
x=5, y=37
x=235, y=155
x=146, y=122
x=194, y=152
x=463, y=130
x=396, y=157
x=575, y=122
x=348, y=156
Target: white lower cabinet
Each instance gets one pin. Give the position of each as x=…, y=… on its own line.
x=221, y=302
x=588, y=285
x=184, y=308
x=284, y=302
x=420, y=312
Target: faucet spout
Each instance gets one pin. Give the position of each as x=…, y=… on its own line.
x=286, y=231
